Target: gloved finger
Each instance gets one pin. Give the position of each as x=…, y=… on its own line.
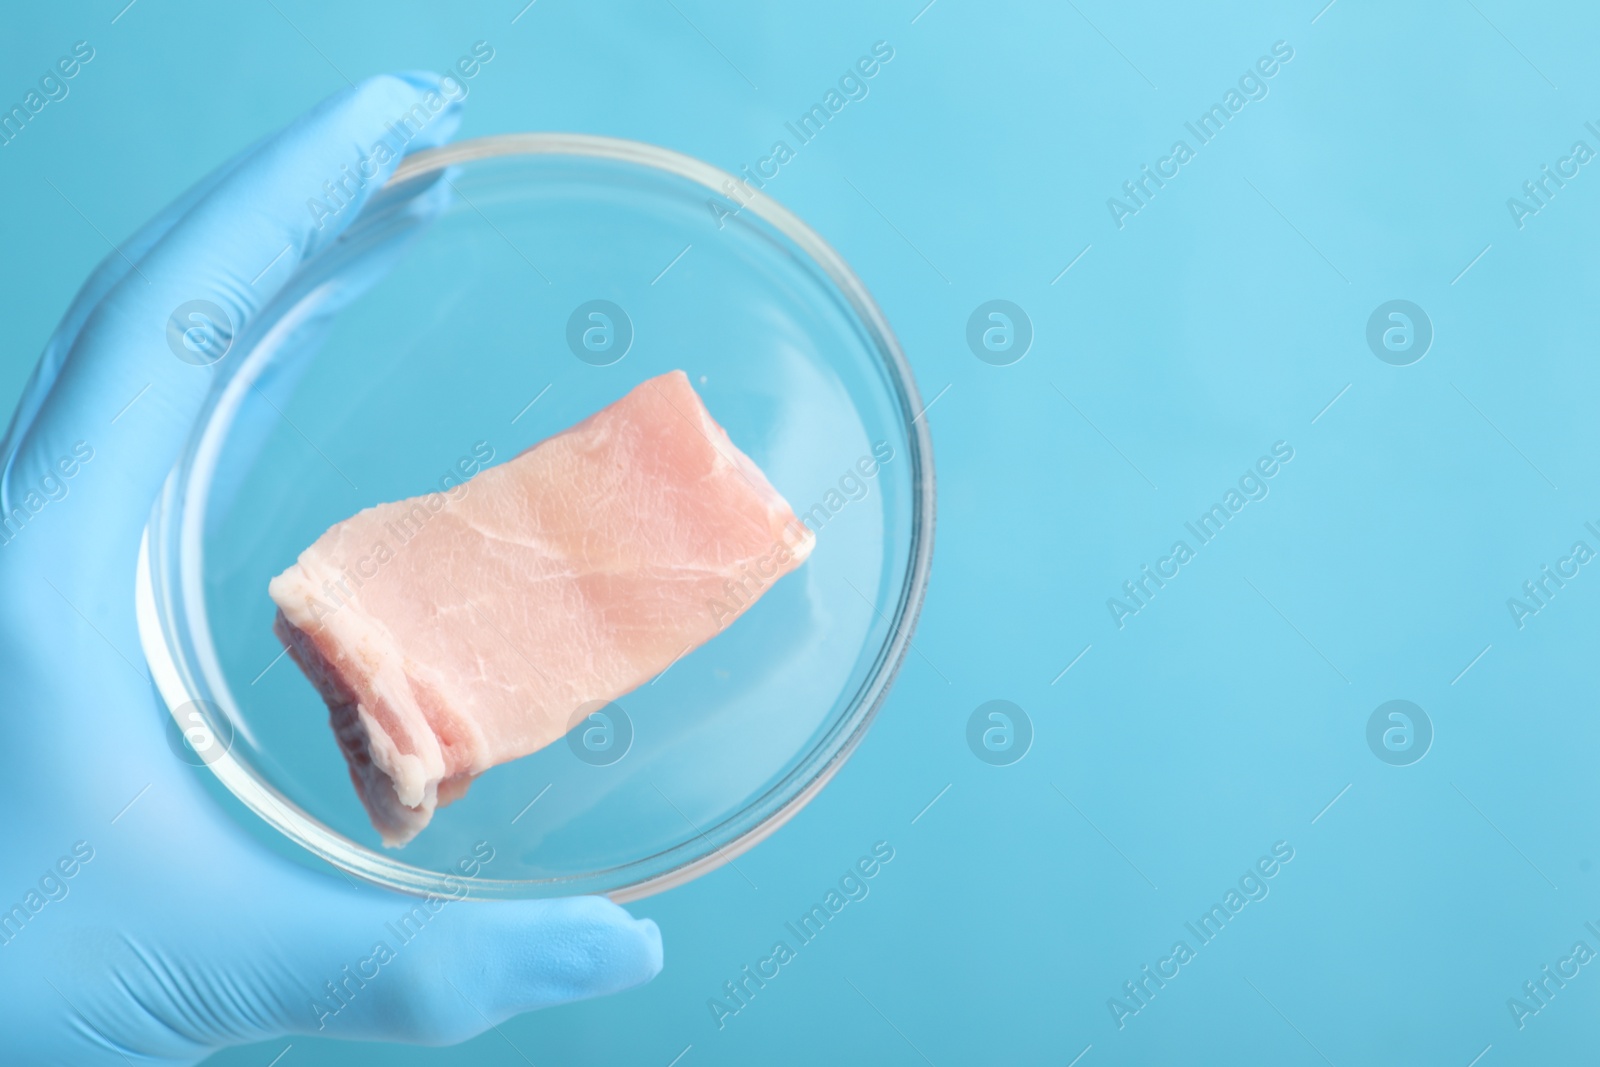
x=291, y=354
x=111, y=270
x=287, y=201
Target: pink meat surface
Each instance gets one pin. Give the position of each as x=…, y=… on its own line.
x=454, y=631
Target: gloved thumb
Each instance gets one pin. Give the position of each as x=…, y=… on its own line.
x=299, y=952
x=439, y=970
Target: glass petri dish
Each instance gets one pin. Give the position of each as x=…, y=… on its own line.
x=494, y=292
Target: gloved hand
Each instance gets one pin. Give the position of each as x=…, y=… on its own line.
x=137, y=922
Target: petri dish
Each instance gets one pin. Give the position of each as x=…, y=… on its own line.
x=494, y=292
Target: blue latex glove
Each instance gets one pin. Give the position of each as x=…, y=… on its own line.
x=138, y=924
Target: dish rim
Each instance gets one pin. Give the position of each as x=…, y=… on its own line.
x=764, y=812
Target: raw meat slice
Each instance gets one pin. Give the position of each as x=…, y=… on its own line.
x=454, y=631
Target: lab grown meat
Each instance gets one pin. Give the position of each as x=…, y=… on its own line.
x=455, y=631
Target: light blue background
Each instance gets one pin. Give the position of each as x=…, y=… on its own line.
x=1224, y=317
